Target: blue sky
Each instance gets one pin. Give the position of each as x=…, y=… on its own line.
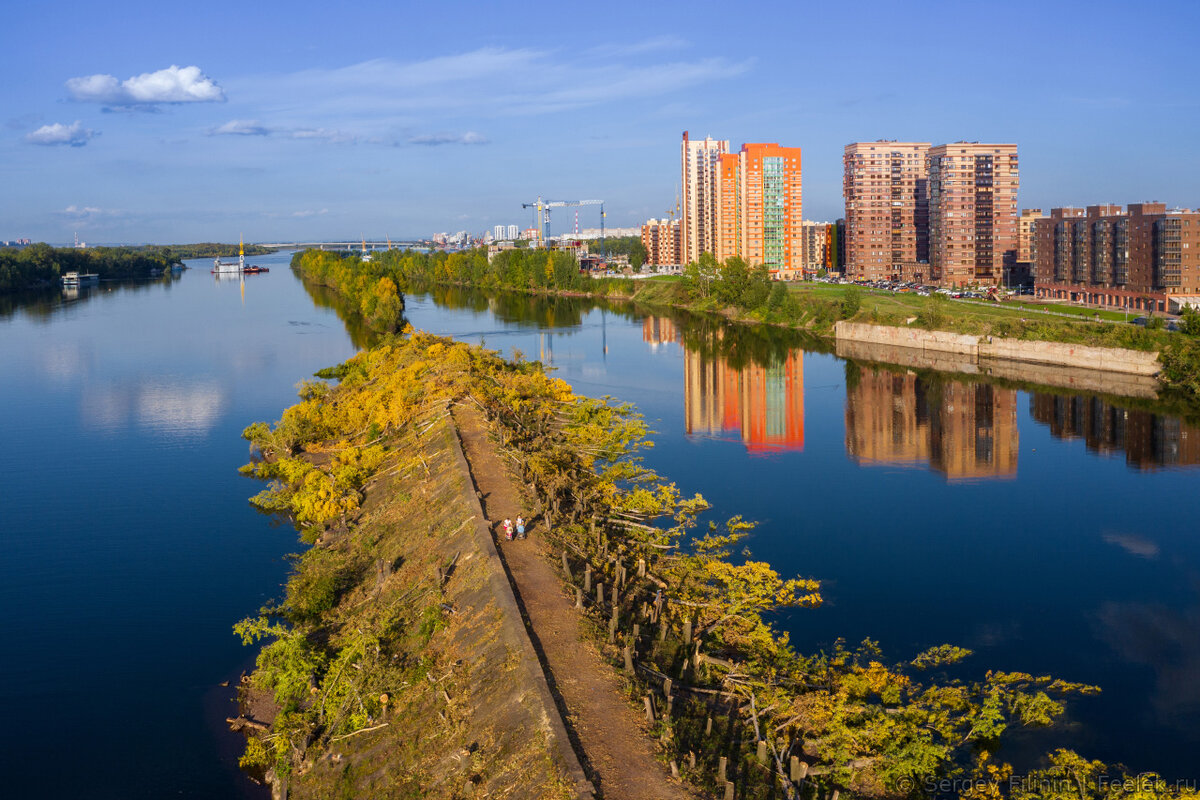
x=157, y=122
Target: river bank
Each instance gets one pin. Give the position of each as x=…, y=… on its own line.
x=743, y=294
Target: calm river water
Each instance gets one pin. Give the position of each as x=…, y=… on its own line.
x=1049, y=532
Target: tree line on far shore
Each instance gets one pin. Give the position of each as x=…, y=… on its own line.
x=39, y=265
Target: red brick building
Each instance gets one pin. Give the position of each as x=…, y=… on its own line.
x=1143, y=258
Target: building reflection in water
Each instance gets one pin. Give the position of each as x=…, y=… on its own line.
x=1149, y=440
x=762, y=399
x=966, y=431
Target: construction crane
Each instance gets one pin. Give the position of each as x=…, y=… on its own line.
x=542, y=216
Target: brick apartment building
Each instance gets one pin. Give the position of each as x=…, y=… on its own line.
x=1143, y=258
x=887, y=210
x=972, y=212
x=945, y=213
x=663, y=242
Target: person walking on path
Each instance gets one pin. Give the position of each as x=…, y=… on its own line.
x=520, y=528
x=508, y=529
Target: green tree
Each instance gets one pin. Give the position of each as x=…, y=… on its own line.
x=851, y=302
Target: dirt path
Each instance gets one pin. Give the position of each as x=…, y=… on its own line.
x=608, y=735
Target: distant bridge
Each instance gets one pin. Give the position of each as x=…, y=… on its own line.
x=355, y=245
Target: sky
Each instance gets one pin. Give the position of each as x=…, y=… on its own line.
x=174, y=122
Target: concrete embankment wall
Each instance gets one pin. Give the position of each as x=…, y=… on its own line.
x=1102, y=370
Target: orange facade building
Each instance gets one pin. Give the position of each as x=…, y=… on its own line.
x=760, y=208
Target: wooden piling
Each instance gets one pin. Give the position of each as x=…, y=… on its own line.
x=587, y=577
x=566, y=566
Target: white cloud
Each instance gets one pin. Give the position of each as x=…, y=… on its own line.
x=86, y=212
x=74, y=134
x=309, y=213
x=325, y=134
x=371, y=97
x=434, y=139
x=171, y=85
x=626, y=49
x=252, y=127
x=240, y=127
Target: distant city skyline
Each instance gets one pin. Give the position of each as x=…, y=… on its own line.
x=162, y=124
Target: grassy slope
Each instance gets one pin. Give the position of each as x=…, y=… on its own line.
x=820, y=304
x=457, y=715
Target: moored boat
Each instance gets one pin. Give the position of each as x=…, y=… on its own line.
x=78, y=279
x=231, y=267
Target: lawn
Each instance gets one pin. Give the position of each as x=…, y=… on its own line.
x=910, y=303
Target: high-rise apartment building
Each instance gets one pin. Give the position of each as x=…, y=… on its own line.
x=729, y=208
x=972, y=211
x=512, y=232
x=498, y=232
x=759, y=207
x=887, y=210
x=662, y=241
x=1145, y=258
x=699, y=160
x=772, y=207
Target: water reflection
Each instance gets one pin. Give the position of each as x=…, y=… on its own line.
x=41, y=304
x=966, y=431
x=361, y=335
x=1164, y=640
x=165, y=408
x=735, y=383
x=1148, y=440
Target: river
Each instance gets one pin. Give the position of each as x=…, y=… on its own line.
x=1049, y=532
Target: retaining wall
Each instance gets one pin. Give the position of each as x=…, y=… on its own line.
x=1092, y=359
